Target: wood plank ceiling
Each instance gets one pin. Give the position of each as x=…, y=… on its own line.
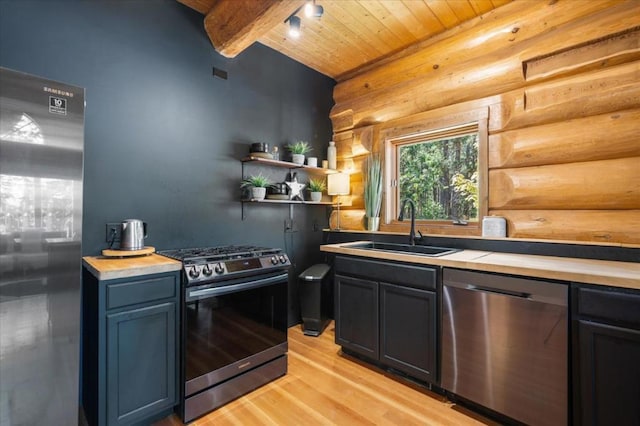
x=350, y=35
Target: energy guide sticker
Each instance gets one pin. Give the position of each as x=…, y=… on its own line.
x=57, y=105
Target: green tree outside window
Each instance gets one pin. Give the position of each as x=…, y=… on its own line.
x=441, y=177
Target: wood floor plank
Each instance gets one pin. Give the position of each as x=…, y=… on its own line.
x=359, y=394
x=325, y=387
x=397, y=393
x=317, y=400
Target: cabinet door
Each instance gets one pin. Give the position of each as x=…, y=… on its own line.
x=357, y=315
x=609, y=375
x=408, y=330
x=141, y=362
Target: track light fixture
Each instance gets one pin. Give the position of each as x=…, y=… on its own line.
x=313, y=10
x=294, y=26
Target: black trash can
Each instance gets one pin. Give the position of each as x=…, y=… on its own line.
x=315, y=299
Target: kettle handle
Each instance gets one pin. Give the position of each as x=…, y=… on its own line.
x=144, y=229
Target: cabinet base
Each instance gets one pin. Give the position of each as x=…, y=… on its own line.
x=401, y=375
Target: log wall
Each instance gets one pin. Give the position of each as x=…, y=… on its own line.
x=561, y=81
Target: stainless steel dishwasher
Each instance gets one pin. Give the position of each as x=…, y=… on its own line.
x=504, y=344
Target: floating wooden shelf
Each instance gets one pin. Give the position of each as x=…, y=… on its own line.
x=253, y=200
x=288, y=165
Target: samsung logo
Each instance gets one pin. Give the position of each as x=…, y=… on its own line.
x=58, y=92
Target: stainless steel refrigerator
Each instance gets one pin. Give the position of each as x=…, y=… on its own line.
x=41, y=156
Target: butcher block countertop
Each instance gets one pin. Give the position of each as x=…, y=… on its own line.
x=109, y=268
x=602, y=272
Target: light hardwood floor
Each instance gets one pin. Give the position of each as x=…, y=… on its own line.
x=325, y=387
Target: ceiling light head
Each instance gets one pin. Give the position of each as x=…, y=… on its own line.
x=318, y=11
x=313, y=10
x=294, y=26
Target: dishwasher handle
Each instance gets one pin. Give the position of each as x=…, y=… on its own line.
x=504, y=292
x=524, y=288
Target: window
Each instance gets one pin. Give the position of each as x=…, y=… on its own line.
x=440, y=176
x=441, y=167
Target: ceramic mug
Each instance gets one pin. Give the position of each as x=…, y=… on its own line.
x=312, y=161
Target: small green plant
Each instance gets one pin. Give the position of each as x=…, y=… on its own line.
x=300, y=147
x=256, y=181
x=317, y=185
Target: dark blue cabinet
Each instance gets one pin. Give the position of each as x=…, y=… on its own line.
x=141, y=362
x=357, y=315
x=408, y=330
x=387, y=312
x=606, y=350
x=130, y=348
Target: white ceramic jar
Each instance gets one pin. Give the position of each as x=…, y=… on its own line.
x=331, y=155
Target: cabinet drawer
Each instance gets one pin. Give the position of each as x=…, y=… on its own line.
x=610, y=304
x=141, y=291
x=412, y=276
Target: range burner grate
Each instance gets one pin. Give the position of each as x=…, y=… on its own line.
x=212, y=254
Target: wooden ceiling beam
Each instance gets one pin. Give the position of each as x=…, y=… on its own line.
x=234, y=25
x=202, y=6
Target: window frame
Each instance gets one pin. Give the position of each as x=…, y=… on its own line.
x=428, y=126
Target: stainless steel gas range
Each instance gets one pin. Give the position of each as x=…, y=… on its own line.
x=234, y=323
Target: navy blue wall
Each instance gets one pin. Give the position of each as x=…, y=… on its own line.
x=163, y=136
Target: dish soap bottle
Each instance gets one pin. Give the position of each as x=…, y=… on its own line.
x=331, y=155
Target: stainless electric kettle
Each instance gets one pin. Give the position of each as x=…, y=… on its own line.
x=132, y=234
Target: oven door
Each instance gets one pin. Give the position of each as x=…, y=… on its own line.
x=232, y=328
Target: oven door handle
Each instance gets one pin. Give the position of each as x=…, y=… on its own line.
x=219, y=291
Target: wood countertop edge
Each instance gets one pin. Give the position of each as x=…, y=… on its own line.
x=588, y=271
x=107, y=268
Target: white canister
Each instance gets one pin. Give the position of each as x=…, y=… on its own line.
x=494, y=226
x=312, y=161
x=332, y=155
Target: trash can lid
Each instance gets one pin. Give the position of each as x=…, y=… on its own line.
x=315, y=272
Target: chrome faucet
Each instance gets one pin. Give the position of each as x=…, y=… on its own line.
x=412, y=209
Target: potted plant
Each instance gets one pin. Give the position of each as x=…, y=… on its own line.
x=316, y=186
x=258, y=184
x=373, y=191
x=298, y=150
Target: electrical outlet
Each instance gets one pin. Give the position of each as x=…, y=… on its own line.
x=111, y=229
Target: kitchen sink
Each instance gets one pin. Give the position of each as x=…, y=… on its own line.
x=431, y=251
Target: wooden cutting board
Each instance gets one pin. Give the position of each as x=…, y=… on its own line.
x=128, y=253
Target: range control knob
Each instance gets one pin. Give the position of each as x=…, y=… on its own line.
x=194, y=273
x=274, y=260
x=218, y=268
x=207, y=270
x=283, y=258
